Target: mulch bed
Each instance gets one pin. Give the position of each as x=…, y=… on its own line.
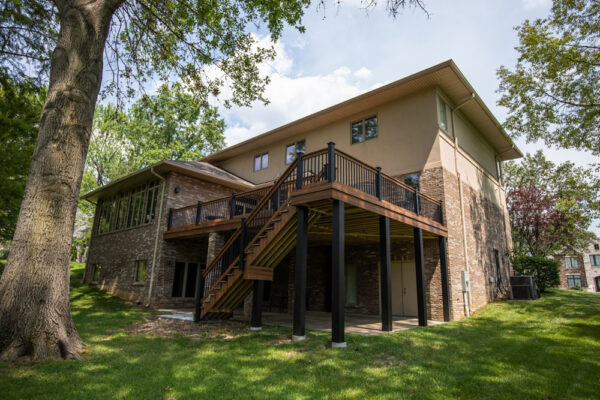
x=165, y=327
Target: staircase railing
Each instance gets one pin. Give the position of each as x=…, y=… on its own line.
x=326, y=165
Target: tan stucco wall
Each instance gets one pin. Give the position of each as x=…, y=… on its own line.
x=406, y=142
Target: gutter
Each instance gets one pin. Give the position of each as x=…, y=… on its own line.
x=158, y=225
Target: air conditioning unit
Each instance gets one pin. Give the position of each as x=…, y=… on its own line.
x=524, y=287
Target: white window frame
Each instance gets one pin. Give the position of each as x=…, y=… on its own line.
x=262, y=164
x=569, y=263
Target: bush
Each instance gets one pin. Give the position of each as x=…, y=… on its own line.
x=544, y=269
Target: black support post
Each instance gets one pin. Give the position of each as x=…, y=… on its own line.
x=337, y=276
x=386, y=273
x=299, y=170
x=444, y=275
x=378, y=192
x=199, y=212
x=331, y=162
x=170, y=222
x=298, y=332
x=420, y=268
x=199, y=295
x=257, y=305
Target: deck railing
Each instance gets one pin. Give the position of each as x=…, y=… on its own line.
x=327, y=165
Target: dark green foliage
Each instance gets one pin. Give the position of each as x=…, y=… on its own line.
x=20, y=108
x=544, y=269
x=553, y=92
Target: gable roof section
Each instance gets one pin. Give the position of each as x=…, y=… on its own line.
x=446, y=76
x=196, y=169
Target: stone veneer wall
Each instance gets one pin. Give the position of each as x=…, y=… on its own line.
x=485, y=231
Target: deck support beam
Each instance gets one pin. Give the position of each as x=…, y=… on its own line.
x=386, y=273
x=199, y=295
x=420, y=270
x=337, y=276
x=444, y=275
x=298, y=332
x=257, y=305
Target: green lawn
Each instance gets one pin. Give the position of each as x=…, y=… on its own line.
x=545, y=349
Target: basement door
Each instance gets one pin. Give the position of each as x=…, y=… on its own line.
x=404, y=288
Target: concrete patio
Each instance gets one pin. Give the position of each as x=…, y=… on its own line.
x=320, y=321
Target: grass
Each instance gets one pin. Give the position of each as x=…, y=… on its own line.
x=544, y=349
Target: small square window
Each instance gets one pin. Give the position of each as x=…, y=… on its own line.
x=292, y=149
x=442, y=107
x=261, y=162
x=97, y=269
x=597, y=247
x=363, y=130
x=571, y=262
x=140, y=270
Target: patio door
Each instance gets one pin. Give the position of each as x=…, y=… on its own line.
x=404, y=288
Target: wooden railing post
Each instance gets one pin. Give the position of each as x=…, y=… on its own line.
x=199, y=212
x=299, y=169
x=331, y=162
x=378, y=184
x=232, y=206
x=170, y=223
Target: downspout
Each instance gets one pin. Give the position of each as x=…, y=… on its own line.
x=158, y=225
x=466, y=294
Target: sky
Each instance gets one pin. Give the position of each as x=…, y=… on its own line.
x=348, y=50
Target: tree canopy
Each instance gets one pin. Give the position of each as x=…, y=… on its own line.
x=20, y=108
x=551, y=206
x=553, y=92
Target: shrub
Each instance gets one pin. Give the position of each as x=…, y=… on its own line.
x=544, y=269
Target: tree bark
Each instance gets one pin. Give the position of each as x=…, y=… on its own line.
x=35, y=312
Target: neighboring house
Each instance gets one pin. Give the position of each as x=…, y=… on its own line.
x=446, y=257
x=581, y=271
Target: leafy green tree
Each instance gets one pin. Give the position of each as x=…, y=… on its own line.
x=551, y=206
x=20, y=108
x=553, y=92
x=173, y=125
x=205, y=44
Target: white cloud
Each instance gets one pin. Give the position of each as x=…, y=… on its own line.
x=530, y=4
x=363, y=73
x=292, y=96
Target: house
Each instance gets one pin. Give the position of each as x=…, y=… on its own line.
x=581, y=271
x=389, y=203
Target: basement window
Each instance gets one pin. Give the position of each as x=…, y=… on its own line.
x=184, y=279
x=140, y=270
x=363, y=130
x=574, y=281
x=261, y=161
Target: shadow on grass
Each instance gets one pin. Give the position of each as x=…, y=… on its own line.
x=542, y=349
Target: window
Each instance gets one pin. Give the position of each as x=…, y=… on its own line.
x=351, y=285
x=571, y=262
x=597, y=247
x=595, y=260
x=129, y=209
x=363, y=130
x=443, y=116
x=184, y=279
x=261, y=162
x=411, y=180
x=574, y=281
x=96, y=272
x=140, y=270
x=292, y=149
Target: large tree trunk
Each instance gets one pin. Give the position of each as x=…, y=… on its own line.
x=35, y=313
